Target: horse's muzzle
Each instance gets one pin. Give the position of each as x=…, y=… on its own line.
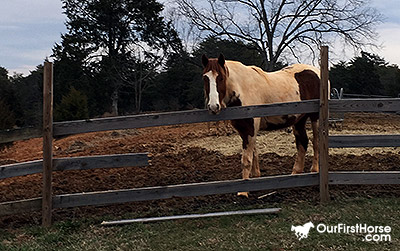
x=214, y=109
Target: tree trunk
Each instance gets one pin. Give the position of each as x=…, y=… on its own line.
x=114, y=99
x=138, y=96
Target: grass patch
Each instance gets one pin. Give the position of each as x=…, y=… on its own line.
x=254, y=232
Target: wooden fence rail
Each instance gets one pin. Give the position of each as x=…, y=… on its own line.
x=76, y=163
x=364, y=105
x=201, y=189
x=343, y=141
x=365, y=178
x=198, y=116
x=164, y=192
x=20, y=134
x=183, y=117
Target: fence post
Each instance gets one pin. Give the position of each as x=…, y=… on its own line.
x=323, y=127
x=47, y=143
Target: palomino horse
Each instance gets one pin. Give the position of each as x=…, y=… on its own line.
x=230, y=83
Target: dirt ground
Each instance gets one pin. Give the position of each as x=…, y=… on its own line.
x=187, y=154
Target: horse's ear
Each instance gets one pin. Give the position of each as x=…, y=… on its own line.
x=204, y=60
x=221, y=60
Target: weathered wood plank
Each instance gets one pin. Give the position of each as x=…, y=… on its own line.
x=76, y=163
x=163, y=192
x=197, y=116
x=102, y=161
x=192, y=216
x=349, y=141
x=365, y=178
x=323, y=132
x=365, y=105
x=12, y=135
x=185, y=190
x=20, y=169
x=47, y=143
x=207, y=188
x=182, y=117
x=20, y=206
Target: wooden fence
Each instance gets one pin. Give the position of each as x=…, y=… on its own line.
x=48, y=202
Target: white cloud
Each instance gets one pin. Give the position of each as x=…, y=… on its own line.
x=28, y=31
x=23, y=11
x=389, y=8
x=389, y=36
x=9, y=27
x=22, y=69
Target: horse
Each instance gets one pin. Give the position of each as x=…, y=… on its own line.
x=301, y=232
x=231, y=83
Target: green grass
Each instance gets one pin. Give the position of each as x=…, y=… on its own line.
x=256, y=232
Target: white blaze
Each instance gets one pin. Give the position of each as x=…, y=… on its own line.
x=213, y=96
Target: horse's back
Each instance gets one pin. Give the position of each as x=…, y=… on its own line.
x=297, y=68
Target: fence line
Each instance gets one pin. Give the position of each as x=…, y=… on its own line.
x=201, y=189
x=165, y=192
x=182, y=117
x=198, y=116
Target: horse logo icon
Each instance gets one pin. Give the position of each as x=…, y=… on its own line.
x=301, y=232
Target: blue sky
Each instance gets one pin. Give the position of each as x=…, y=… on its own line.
x=29, y=29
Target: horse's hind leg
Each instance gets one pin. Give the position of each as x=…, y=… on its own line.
x=299, y=130
x=315, y=164
x=255, y=169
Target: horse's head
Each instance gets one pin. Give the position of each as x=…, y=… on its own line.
x=214, y=76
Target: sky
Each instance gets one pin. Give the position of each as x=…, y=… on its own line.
x=29, y=29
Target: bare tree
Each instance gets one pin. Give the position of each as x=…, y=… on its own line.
x=278, y=27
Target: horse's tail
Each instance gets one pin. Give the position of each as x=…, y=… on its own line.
x=292, y=229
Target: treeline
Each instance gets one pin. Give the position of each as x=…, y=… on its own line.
x=78, y=95
x=122, y=57
x=367, y=74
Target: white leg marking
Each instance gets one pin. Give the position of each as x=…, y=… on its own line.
x=300, y=159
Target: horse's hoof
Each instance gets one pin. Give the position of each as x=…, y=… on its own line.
x=244, y=194
x=296, y=172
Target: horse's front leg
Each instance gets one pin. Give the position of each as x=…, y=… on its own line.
x=247, y=129
x=247, y=160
